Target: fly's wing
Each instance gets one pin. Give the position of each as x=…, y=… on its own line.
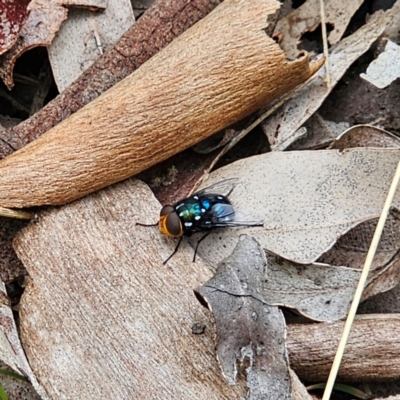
x=222, y=215
x=223, y=188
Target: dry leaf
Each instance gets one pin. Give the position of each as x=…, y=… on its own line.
x=13, y=16
x=281, y=127
x=84, y=37
x=365, y=136
x=307, y=18
x=318, y=291
x=16, y=388
x=308, y=199
x=248, y=330
x=319, y=133
x=102, y=317
x=42, y=24
x=386, y=68
x=351, y=250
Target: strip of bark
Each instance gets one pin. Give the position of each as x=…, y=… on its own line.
x=372, y=352
x=218, y=72
x=163, y=22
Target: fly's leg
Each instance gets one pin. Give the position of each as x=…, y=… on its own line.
x=176, y=249
x=138, y=223
x=197, y=245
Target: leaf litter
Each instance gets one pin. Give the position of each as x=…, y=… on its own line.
x=347, y=223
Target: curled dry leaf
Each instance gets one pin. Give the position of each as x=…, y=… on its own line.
x=123, y=131
x=308, y=199
x=319, y=133
x=13, y=15
x=307, y=18
x=365, y=136
x=282, y=126
x=44, y=20
x=248, y=330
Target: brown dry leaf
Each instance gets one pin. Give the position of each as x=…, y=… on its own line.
x=44, y=20
x=12, y=17
x=307, y=18
x=281, y=127
x=365, y=136
x=84, y=37
x=11, y=351
x=308, y=199
x=248, y=330
x=102, y=317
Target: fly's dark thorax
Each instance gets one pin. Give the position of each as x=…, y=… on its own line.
x=199, y=213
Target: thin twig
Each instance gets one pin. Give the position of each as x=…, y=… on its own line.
x=361, y=285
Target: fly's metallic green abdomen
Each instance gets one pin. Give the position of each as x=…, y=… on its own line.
x=204, y=212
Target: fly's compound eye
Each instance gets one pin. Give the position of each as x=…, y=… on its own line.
x=166, y=210
x=170, y=224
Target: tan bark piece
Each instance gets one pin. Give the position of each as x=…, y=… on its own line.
x=157, y=27
x=102, y=318
x=222, y=69
x=372, y=352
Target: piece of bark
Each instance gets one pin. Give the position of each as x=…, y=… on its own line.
x=102, y=318
x=372, y=352
x=162, y=23
x=221, y=70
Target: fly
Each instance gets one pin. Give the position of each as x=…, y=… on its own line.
x=205, y=210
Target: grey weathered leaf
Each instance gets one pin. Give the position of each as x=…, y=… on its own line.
x=365, y=136
x=11, y=350
x=248, y=329
x=308, y=199
x=318, y=291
